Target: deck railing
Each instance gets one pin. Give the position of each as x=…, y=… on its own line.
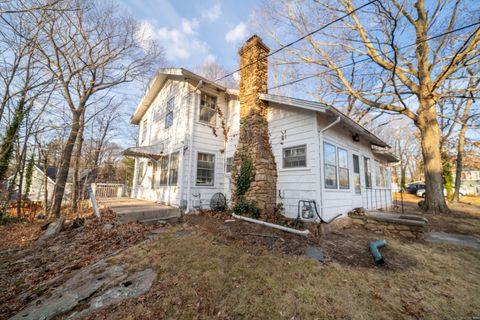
x=109, y=190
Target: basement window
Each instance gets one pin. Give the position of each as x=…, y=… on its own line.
x=205, y=169
x=295, y=157
x=208, y=109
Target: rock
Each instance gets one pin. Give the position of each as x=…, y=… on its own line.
x=80, y=287
x=108, y=226
x=407, y=234
x=315, y=253
x=134, y=286
x=53, y=229
x=77, y=223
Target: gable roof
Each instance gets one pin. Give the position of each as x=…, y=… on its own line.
x=160, y=79
x=164, y=74
x=51, y=171
x=322, y=107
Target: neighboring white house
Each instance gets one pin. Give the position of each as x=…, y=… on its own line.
x=184, y=154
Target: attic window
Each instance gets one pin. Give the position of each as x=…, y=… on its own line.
x=208, y=109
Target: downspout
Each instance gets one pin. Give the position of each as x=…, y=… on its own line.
x=322, y=189
x=190, y=145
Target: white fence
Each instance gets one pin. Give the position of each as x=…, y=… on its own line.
x=109, y=190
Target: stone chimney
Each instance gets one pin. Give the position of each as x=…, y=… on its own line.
x=254, y=143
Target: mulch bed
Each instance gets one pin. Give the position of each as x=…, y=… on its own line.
x=348, y=246
x=28, y=270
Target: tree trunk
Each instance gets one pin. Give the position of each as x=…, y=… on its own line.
x=76, y=166
x=45, y=185
x=460, y=151
x=430, y=141
x=65, y=165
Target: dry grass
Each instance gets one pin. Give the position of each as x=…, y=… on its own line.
x=201, y=279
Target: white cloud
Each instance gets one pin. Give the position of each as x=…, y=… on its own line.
x=210, y=58
x=189, y=26
x=213, y=13
x=178, y=43
x=238, y=33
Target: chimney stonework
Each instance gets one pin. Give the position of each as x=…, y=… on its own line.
x=254, y=140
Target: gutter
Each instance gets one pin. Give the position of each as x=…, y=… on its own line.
x=322, y=189
x=190, y=146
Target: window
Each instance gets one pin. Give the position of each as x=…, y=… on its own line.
x=173, y=169
x=368, y=173
x=154, y=175
x=163, y=161
x=356, y=174
x=169, y=114
x=330, y=165
x=228, y=165
x=205, y=169
x=208, y=109
x=295, y=157
x=141, y=173
x=144, y=130
x=343, y=169
x=381, y=175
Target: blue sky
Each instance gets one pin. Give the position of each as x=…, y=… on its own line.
x=192, y=31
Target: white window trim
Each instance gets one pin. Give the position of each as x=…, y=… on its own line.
x=305, y=167
x=208, y=186
x=337, y=188
x=208, y=124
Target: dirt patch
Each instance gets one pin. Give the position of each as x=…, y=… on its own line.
x=28, y=271
x=348, y=247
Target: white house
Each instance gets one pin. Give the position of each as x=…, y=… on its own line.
x=185, y=148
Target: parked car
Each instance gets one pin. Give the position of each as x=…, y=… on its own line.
x=422, y=192
x=414, y=187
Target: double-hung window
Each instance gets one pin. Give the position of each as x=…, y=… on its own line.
x=356, y=174
x=173, y=169
x=205, y=169
x=343, y=178
x=144, y=130
x=154, y=175
x=335, y=167
x=228, y=165
x=330, y=165
x=368, y=173
x=163, y=170
x=208, y=109
x=294, y=157
x=169, y=113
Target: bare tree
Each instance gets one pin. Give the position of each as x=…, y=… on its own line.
x=213, y=71
x=408, y=55
x=90, y=50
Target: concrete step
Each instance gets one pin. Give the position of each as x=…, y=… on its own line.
x=147, y=213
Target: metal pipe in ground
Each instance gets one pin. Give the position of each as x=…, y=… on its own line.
x=272, y=225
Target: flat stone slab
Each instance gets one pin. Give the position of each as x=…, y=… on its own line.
x=455, y=239
x=405, y=219
x=315, y=253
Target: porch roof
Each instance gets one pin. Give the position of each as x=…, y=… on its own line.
x=151, y=151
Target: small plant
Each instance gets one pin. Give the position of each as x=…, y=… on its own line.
x=247, y=208
x=245, y=176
